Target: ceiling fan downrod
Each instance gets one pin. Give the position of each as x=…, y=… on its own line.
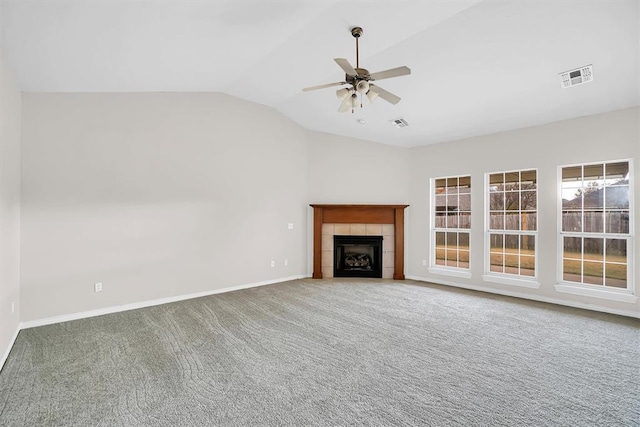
x=357, y=32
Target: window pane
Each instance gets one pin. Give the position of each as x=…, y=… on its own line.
x=463, y=241
x=617, y=197
x=618, y=222
x=452, y=185
x=452, y=240
x=527, y=265
x=572, y=270
x=452, y=258
x=441, y=220
x=571, y=199
x=496, y=221
x=465, y=220
x=528, y=180
x=440, y=184
x=527, y=245
x=529, y=221
x=512, y=200
x=441, y=203
x=617, y=172
x=463, y=259
x=572, y=175
x=464, y=202
x=572, y=247
x=593, y=249
x=452, y=220
x=512, y=181
x=452, y=202
x=571, y=221
x=528, y=201
x=496, y=242
x=593, y=198
x=616, y=250
x=616, y=275
x=440, y=250
x=512, y=221
x=496, y=263
x=593, y=273
x=511, y=264
x=511, y=243
x=496, y=201
x=496, y=182
x=593, y=175
x=593, y=221
x=464, y=183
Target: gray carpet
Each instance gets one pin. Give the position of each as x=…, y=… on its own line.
x=313, y=352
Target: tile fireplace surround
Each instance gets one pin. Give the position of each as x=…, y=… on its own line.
x=358, y=220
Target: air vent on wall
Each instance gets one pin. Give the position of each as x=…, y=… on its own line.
x=577, y=76
x=399, y=123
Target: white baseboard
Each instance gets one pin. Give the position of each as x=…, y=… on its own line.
x=150, y=303
x=5, y=355
x=574, y=304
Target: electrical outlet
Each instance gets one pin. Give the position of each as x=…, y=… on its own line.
x=273, y=263
x=13, y=307
x=290, y=226
x=286, y=262
x=97, y=286
x=424, y=262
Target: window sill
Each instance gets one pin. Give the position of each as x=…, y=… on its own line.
x=596, y=293
x=450, y=272
x=512, y=281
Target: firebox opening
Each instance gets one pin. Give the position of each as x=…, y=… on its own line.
x=357, y=256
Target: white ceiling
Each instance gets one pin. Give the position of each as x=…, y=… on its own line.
x=477, y=66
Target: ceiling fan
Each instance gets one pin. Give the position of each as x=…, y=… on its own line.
x=359, y=81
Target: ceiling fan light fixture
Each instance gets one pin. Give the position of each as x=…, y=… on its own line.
x=372, y=95
x=354, y=101
x=362, y=87
x=342, y=93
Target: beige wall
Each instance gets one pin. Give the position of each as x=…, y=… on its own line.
x=156, y=195
x=348, y=170
x=10, y=127
x=603, y=137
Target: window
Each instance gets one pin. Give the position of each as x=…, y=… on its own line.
x=451, y=222
x=512, y=199
x=595, y=225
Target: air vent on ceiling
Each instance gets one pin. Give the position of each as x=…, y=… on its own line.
x=577, y=76
x=399, y=123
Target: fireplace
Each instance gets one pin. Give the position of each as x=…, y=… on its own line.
x=358, y=217
x=357, y=256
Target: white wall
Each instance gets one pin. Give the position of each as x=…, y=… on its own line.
x=348, y=170
x=155, y=195
x=602, y=137
x=10, y=127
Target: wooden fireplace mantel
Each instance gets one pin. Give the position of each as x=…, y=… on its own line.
x=359, y=214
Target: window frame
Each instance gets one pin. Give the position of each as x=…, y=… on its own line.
x=627, y=294
x=434, y=268
x=504, y=277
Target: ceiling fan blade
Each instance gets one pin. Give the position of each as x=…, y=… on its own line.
x=307, y=89
x=387, y=74
x=346, y=66
x=384, y=94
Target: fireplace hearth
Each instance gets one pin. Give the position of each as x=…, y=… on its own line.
x=357, y=256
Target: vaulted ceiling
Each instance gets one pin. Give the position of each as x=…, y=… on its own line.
x=477, y=66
